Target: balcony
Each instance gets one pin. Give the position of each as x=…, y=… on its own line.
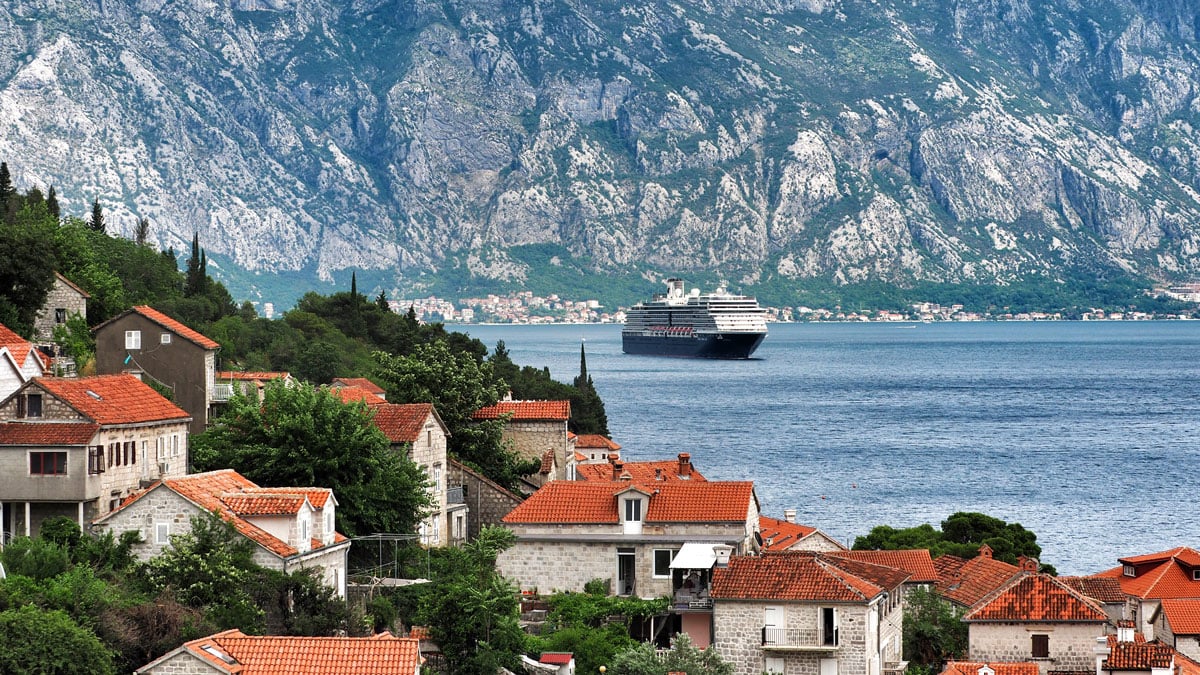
x=797, y=640
x=222, y=392
x=456, y=494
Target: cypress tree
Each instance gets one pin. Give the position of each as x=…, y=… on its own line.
x=583, y=381
x=354, y=288
x=52, y=203
x=97, y=221
x=7, y=193
x=191, y=283
x=143, y=231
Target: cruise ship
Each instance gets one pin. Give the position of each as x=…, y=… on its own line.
x=713, y=325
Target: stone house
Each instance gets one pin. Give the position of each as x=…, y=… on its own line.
x=1105, y=592
x=807, y=612
x=145, y=341
x=76, y=447
x=64, y=300
x=416, y=430
x=788, y=535
x=626, y=533
x=249, y=383
x=20, y=362
x=1178, y=625
x=679, y=468
x=595, y=449
x=535, y=428
x=1128, y=653
x=974, y=668
x=292, y=527
x=488, y=500
x=1149, y=579
x=1036, y=618
x=966, y=582
x=232, y=651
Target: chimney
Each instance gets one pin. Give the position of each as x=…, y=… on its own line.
x=658, y=473
x=1027, y=564
x=1102, y=652
x=789, y=515
x=1125, y=631
x=617, y=467
x=685, y=465
x=985, y=551
x=722, y=552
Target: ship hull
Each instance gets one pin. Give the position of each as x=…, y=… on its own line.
x=713, y=346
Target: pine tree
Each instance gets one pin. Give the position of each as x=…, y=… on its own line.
x=354, y=288
x=192, y=284
x=143, y=231
x=52, y=204
x=382, y=301
x=97, y=221
x=7, y=192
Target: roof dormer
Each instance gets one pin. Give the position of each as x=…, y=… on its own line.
x=632, y=504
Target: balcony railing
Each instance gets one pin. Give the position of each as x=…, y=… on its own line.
x=795, y=639
x=456, y=494
x=222, y=392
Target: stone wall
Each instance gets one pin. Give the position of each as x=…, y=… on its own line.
x=487, y=501
x=1071, y=644
x=531, y=440
x=549, y=567
x=61, y=297
x=738, y=625
x=183, y=663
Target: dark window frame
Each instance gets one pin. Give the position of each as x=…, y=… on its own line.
x=95, y=460
x=1040, y=646
x=48, y=463
x=670, y=555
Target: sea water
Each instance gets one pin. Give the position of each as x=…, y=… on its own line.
x=1084, y=432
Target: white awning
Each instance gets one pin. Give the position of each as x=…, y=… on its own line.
x=694, y=557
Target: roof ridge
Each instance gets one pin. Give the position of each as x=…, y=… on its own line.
x=840, y=574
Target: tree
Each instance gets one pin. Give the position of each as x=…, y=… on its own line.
x=97, y=221
x=302, y=435
x=382, y=302
x=34, y=641
x=27, y=261
x=683, y=657
x=961, y=535
x=194, y=281
x=7, y=192
x=934, y=632
x=52, y=204
x=143, y=231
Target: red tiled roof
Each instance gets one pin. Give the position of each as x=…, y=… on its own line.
x=1167, y=574
x=383, y=654
x=47, y=433
x=252, y=375
x=915, y=561
x=419, y=633
x=1036, y=598
x=973, y=668
x=556, y=658
x=360, y=382
x=112, y=399
x=1137, y=655
x=355, y=395
x=173, y=325
x=1183, y=615
x=547, y=462
x=255, y=504
x=779, y=535
x=402, y=422
x=1186, y=665
x=317, y=496
x=596, y=442
x=966, y=582
x=526, y=411
x=1101, y=589
x=799, y=576
x=639, y=472
x=670, y=501
x=17, y=346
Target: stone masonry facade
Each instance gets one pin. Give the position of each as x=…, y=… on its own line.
x=738, y=629
x=183, y=663
x=1071, y=644
x=488, y=502
x=531, y=440
x=62, y=302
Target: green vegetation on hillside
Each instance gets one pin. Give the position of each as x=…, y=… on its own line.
x=961, y=535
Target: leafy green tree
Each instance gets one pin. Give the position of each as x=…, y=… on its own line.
x=302, y=435
x=97, y=221
x=682, y=657
x=27, y=260
x=75, y=339
x=934, y=632
x=472, y=611
x=34, y=557
x=38, y=642
x=961, y=535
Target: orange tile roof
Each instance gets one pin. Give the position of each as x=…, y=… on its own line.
x=973, y=668
x=17, y=346
x=252, y=375
x=966, y=582
x=173, y=325
x=779, y=535
x=383, y=654
x=670, y=501
x=596, y=442
x=796, y=575
x=254, y=504
x=915, y=561
x=402, y=422
x=1137, y=655
x=112, y=399
x=1186, y=665
x=1183, y=614
x=547, y=462
x=1036, y=598
x=639, y=472
x=420, y=633
x=1167, y=574
x=355, y=395
x=47, y=433
x=360, y=382
x=317, y=496
x=1101, y=589
x=221, y=491
x=526, y=411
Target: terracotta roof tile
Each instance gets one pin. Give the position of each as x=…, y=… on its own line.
x=112, y=399
x=361, y=383
x=17, y=346
x=252, y=375
x=547, y=462
x=780, y=535
x=556, y=658
x=596, y=442
x=526, y=411
x=1185, y=665
x=383, y=654
x=173, y=325
x=914, y=561
x=402, y=422
x=967, y=581
x=1167, y=574
x=1037, y=598
x=639, y=472
x=47, y=433
x=798, y=576
x=258, y=504
x=1137, y=655
x=355, y=395
x=1100, y=589
x=973, y=668
x=1183, y=614
x=673, y=501
x=317, y=496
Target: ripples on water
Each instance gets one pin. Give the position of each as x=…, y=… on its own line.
x=1085, y=433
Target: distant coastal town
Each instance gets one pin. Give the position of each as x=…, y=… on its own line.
x=524, y=307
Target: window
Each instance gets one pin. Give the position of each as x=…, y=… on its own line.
x=436, y=531
x=829, y=627
x=1196, y=575
x=1128, y=570
x=437, y=479
x=165, y=339
x=662, y=562
x=773, y=664
x=33, y=407
x=48, y=463
x=1041, y=646
x=162, y=533
x=60, y=315
x=96, y=460
x=633, y=509
x=329, y=522
x=460, y=526
x=133, y=339
x=111, y=457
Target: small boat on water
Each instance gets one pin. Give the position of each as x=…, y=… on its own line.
x=716, y=325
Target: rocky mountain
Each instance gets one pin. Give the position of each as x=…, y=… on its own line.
x=755, y=141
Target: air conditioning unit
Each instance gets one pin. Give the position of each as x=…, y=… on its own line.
x=163, y=468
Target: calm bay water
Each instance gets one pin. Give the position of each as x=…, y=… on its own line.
x=1086, y=433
